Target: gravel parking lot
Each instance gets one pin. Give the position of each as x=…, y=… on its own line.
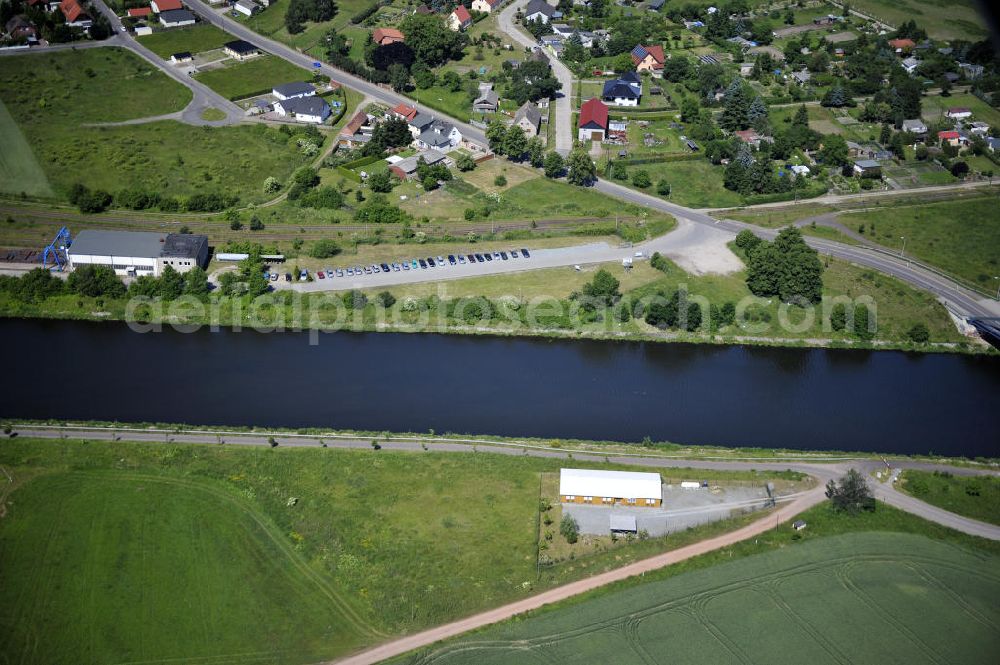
x=682, y=508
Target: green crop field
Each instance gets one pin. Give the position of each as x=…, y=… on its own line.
x=194, y=39
x=960, y=237
x=942, y=19
x=19, y=170
x=858, y=598
x=52, y=97
x=122, y=552
x=977, y=497
x=252, y=77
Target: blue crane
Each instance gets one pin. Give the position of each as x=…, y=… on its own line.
x=55, y=251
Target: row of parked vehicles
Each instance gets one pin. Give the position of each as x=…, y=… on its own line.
x=424, y=264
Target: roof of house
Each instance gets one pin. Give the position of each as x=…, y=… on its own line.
x=404, y=111
x=640, y=52
x=959, y=109
x=139, y=244
x=240, y=46
x=140, y=11
x=913, y=124
x=529, y=111
x=462, y=14
x=249, y=4
x=430, y=157
x=18, y=22
x=901, y=43
x=593, y=112
x=381, y=34
x=71, y=9
x=437, y=134
x=620, y=89
x=421, y=120
x=306, y=106
x=802, y=76
x=748, y=135
x=950, y=134
x=617, y=484
x=487, y=97
x=167, y=5
x=539, y=6
x=294, y=88
x=867, y=164
x=911, y=62
x=354, y=124
x=176, y=16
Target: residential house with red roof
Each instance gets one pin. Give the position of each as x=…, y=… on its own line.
x=75, y=14
x=165, y=5
x=593, y=123
x=386, y=36
x=404, y=112
x=951, y=138
x=901, y=45
x=648, y=59
x=351, y=135
x=460, y=19
x=140, y=12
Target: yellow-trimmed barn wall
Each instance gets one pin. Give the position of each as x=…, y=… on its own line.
x=615, y=501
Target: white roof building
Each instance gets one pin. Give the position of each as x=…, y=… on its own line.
x=609, y=484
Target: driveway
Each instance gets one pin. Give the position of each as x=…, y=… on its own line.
x=563, y=101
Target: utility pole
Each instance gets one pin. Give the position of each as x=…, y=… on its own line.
x=902, y=252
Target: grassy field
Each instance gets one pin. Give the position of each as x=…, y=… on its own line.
x=695, y=183
x=194, y=39
x=934, y=107
x=52, y=96
x=861, y=598
x=281, y=555
x=252, y=77
x=960, y=237
x=977, y=497
x=19, y=170
x=942, y=19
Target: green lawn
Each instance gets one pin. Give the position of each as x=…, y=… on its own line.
x=52, y=95
x=695, y=183
x=977, y=497
x=934, y=107
x=252, y=77
x=194, y=39
x=858, y=598
x=19, y=169
x=960, y=237
x=942, y=19
x=279, y=553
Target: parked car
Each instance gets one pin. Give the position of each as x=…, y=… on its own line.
x=451, y=259
x=385, y=267
x=340, y=273
x=461, y=259
x=479, y=257
x=496, y=255
x=423, y=264
x=406, y=265
x=396, y=267
x=274, y=277
x=440, y=260
x=375, y=268
x=503, y=255
x=513, y=253
x=472, y=258
x=358, y=270
x=368, y=270
x=288, y=276
x=303, y=275
x=524, y=252
x=430, y=261
x=321, y=274
x=488, y=256
x=329, y=273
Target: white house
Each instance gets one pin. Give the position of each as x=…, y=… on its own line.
x=485, y=6
x=915, y=126
x=910, y=65
x=595, y=486
x=623, y=91
x=539, y=10
x=439, y=135
x=959, y=113
x=247, y=7
x=313, y=110
x=293, y=90
x=459, y=19
x=176, y=18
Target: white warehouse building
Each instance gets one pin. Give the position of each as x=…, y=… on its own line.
x=594, y=486
x=132, y=253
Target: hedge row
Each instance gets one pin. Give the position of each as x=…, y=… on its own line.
x=667, y=157
x=810, y=193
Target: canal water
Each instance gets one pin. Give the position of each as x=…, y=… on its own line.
x=696, y=394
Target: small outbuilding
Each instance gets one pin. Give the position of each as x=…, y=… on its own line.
x=623, y=524
x=798, y=525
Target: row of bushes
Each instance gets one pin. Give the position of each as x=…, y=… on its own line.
x=662, y=157
x=812, y=191
x=94, y=201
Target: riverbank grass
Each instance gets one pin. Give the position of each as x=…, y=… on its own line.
x=977, y=497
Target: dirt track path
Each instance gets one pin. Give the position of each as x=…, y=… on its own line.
x=426, y=638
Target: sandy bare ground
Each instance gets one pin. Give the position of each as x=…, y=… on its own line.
x=698, y=249
x=428, y=637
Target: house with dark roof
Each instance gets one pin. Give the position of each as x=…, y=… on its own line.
x=405, y=169
x=419, y=123
x=132, y=253
x=625, y=90
x=293, y=90
x=176, y=18
x=487, y=101
x=439, y=135
x=868, y=168
x=183, y=56
x=19, y=27
x=539, y=10
x=648, y=58
x=314, y=110
x=529, y=119
x=459, y=19
x=240, y=49
x=593, y=122
x=914, y=126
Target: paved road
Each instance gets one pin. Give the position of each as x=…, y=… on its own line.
x=958, y=299
x=384, y=95
x=204, y=97
x=564, y=100
x=397, y=647
x=696, y=247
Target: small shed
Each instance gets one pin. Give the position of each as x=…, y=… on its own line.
x=623, y=524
